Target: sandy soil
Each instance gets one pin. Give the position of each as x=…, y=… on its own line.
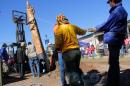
x=53, y=79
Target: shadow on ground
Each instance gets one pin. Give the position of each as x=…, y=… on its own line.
x=95, y=78
x=91, y=78
x=11, y=79
x=125, y=77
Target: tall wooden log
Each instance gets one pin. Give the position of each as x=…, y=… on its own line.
x=34, y=30
x=36, y=39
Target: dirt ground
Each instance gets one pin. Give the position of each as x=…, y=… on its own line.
x=87, y=64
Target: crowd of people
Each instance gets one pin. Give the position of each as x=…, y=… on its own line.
x=23, y=60
x=89, y=51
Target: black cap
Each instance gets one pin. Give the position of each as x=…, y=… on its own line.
x=108, y=1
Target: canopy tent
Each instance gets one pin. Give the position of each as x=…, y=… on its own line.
x=81, y=44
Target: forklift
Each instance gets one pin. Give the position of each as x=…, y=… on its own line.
x=20, y=19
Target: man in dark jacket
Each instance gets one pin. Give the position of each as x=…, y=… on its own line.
x=3, y=52
x=21, y=59
x=115, y=29
x=4, y=59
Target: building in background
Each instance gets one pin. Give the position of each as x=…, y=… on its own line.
x=97, y=38
x=94, y=39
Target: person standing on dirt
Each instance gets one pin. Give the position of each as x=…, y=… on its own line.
x=50, y=50
x=21, y=59
x=3, y=52
x=115, y=30
x=67, y=42
x=33, y=60
x=4, y=58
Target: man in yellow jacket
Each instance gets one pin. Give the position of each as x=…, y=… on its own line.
x=67, y=42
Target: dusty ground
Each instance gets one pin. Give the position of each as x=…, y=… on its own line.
x=53, y=79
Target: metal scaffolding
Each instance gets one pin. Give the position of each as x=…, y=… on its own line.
x=19, y=19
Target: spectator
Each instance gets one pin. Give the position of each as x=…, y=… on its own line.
x=4, y=54
x=129, y=48
x=50, y=50
x=21, y=59
x=82, y=51
x=101, y=48
x=4, y=58
x=93, y=51
x=88, y=51
x=62, y=70
x=33, y=60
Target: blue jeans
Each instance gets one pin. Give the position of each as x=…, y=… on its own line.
x=32, y=62
x=62, y=71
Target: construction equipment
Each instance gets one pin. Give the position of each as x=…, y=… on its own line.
x=19, y=19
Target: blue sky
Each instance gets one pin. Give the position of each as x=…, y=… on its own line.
x=83, y=13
